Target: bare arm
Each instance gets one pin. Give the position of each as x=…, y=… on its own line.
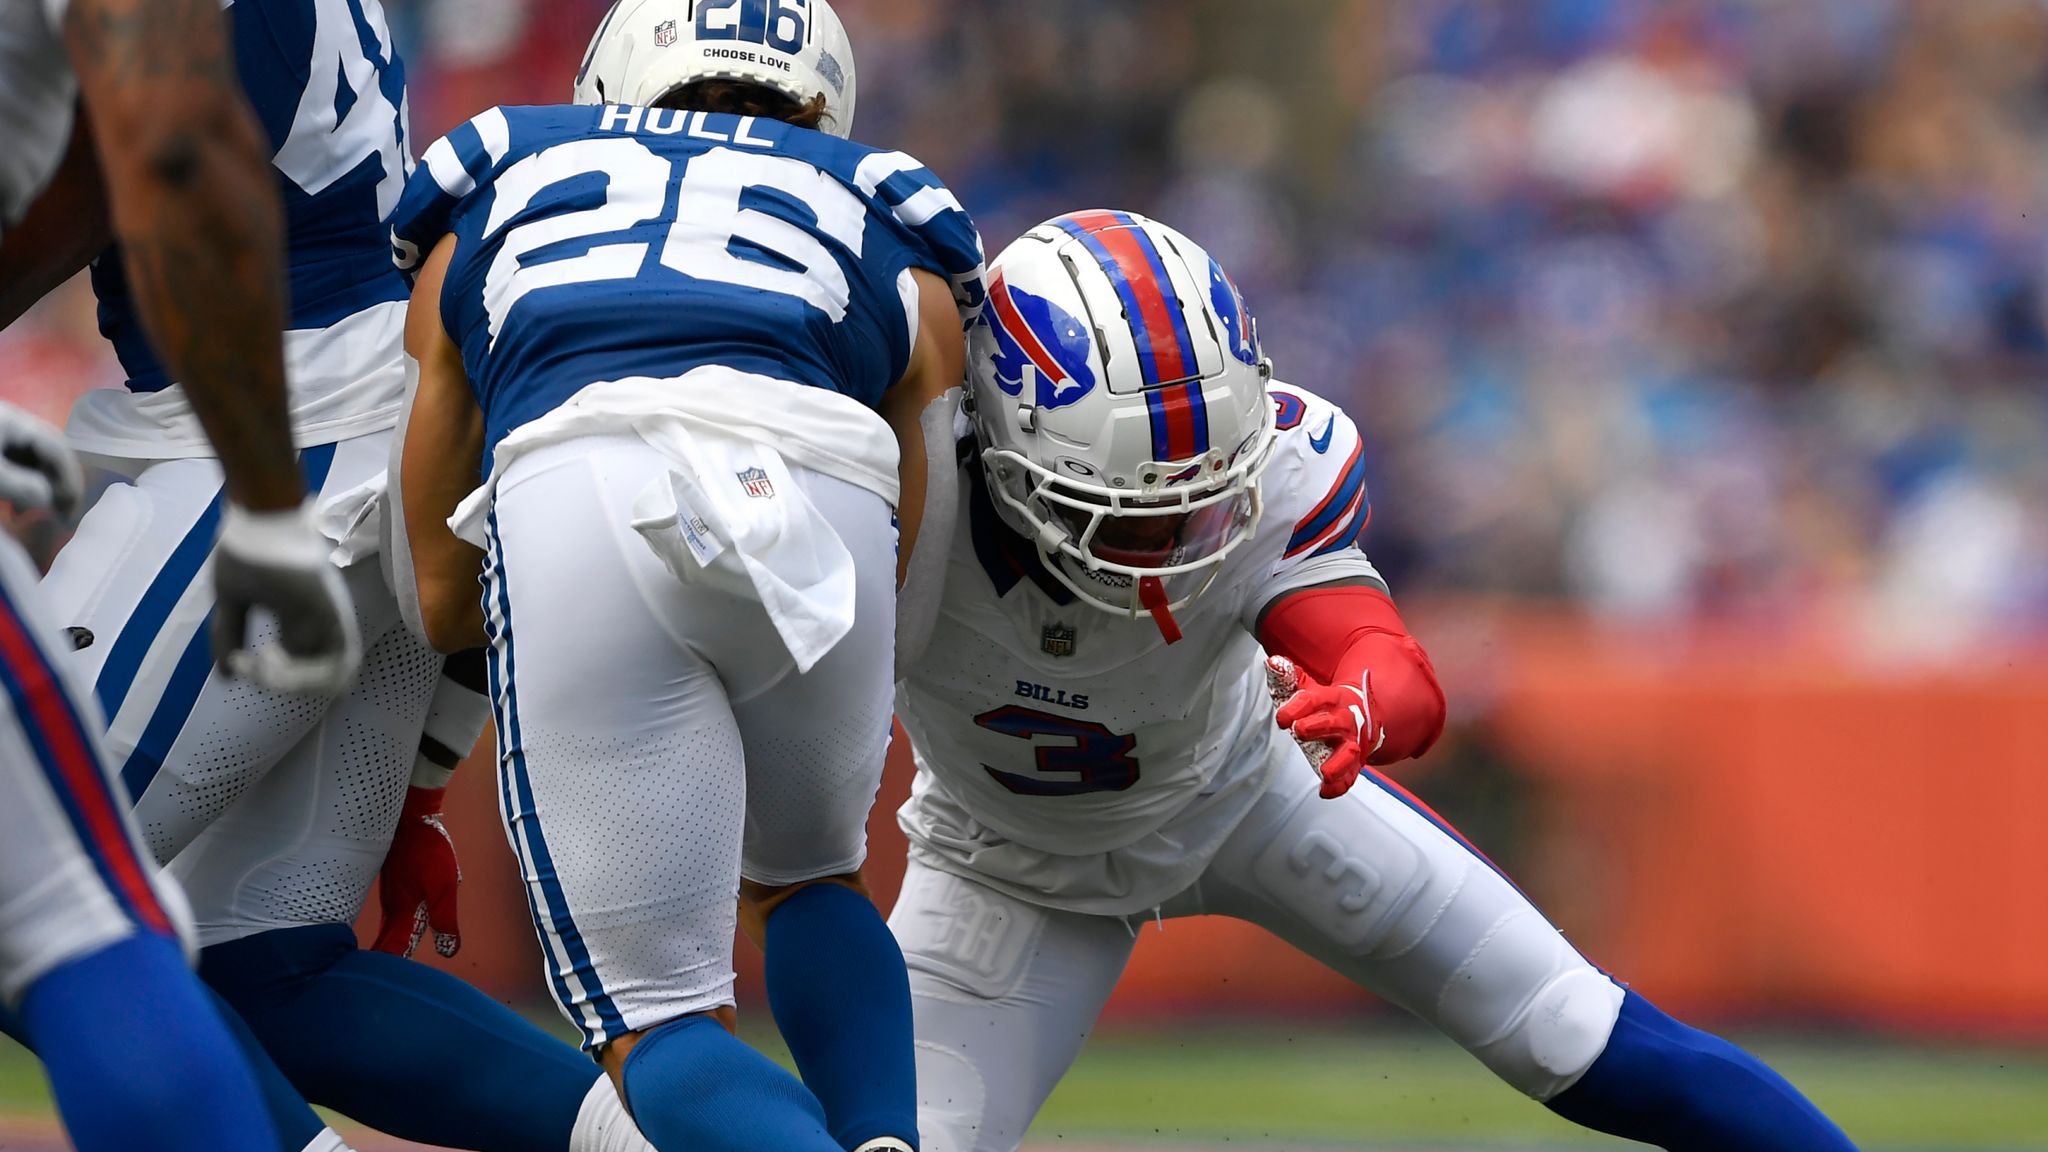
x=937, y=364
x=197, y=215
x=62, y=231
x=439, y=465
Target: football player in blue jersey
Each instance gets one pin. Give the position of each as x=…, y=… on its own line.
x=276, y=808
x=93, y=971
x=685, y=335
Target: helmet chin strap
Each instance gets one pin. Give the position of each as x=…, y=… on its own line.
x=1152, y=594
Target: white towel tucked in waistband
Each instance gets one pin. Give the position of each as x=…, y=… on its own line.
x=730, y=516
x=728, y=512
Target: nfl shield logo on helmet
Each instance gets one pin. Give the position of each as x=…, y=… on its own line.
x=756, y=482
x=1057, y=640
x=664, y=33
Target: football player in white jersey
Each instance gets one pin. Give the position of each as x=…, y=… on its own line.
x=93, y=971
x=1096, y=745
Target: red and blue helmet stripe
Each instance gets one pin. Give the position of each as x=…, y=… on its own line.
x=1180, y=421
x=1166, y=349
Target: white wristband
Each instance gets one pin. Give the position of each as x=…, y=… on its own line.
x=286, y=536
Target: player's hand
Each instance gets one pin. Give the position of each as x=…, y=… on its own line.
x=36, y=469
x=417, y=887
x=278, y=562
x=1340, y=718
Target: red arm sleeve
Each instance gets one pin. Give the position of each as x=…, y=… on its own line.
x=1337, y=634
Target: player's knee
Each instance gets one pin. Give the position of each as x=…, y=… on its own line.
x=758, y=900
x=611, y=1056
x=1550, y=1042
x=952, y=1101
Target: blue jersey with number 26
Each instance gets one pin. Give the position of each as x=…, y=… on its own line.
x=601, y=243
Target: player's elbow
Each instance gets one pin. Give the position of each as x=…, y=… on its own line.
x=183, y=144
x=453, y=617
x=1404, y=683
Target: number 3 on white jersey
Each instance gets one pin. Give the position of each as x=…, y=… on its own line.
x=322, y=148
x=709, y=218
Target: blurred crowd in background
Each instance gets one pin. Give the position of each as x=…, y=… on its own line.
x=1670, y=309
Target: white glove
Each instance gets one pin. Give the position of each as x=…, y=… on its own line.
x=278, y=563
x=36, y=469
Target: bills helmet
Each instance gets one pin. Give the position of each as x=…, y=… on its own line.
x=645, y=49
x=1119, y=397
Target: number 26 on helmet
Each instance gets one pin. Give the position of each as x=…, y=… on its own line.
x=1119, y=397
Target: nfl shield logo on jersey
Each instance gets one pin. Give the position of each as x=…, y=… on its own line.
x=756, y=482
x=664, y=33
x=1057, y=640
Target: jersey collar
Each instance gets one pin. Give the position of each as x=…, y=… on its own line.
x=1004, y=555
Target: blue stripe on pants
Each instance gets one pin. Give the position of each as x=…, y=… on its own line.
x=195, y=664
x=153, y=611
x=520, y=811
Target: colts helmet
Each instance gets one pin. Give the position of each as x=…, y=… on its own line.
x=647, y=48
x=1119, y=396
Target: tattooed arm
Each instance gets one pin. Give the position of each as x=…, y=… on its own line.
x=62, y=231
x=197, y=215
x=201, y=229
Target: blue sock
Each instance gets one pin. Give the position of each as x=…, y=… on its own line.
x=1681, y=1089
x=694, y=1087
x=841, y=997
x=138, y=1057
x=407, y=1049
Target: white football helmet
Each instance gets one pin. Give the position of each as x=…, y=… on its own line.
x=1119, y=396
x=646, y=48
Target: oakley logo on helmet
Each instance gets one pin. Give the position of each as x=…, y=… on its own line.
x=1031, y=330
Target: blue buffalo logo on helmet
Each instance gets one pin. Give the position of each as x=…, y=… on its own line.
x=1237, y=319
x=1035, y=332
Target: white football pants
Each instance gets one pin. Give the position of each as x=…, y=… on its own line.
x=1371, y=884
x=274, y=810
x=657, y=742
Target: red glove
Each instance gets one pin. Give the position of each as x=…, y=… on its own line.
x=1333, y=724
x=417, y=886
x=1367, y=690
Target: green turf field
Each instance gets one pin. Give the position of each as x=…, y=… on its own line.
x=1403, y=1087
x=1215, y=1087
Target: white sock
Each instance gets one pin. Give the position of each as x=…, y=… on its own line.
x=602, y=1124
x=327, y=1141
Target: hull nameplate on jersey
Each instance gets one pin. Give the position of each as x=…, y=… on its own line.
x=1059, y=697
x=1057, y=640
